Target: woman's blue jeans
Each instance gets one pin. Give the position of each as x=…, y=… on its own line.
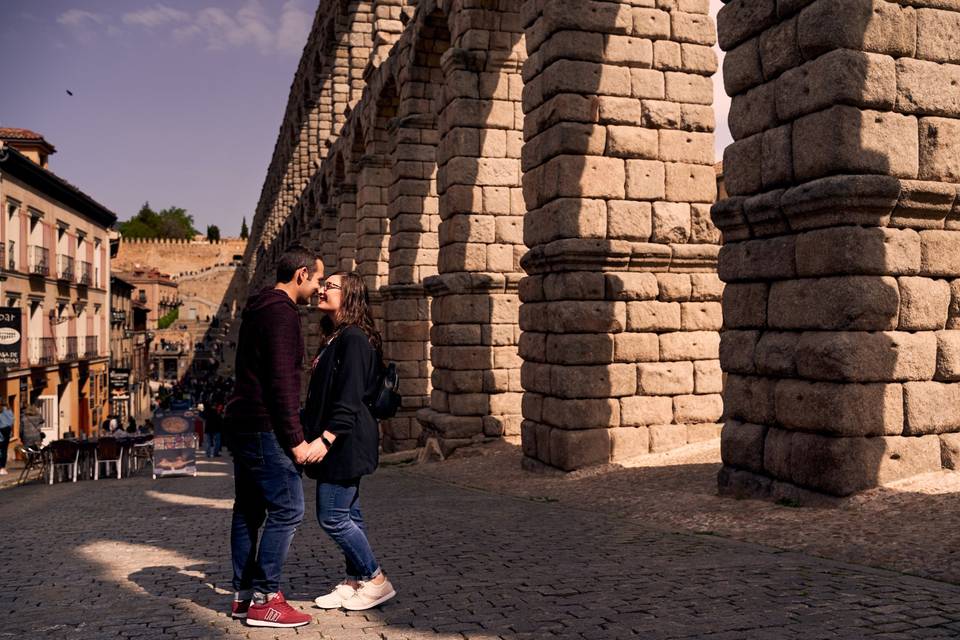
x=338, y=510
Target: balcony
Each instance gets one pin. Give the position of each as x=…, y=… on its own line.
x=86, y=273
x=11, y=263
x=42, y=351
x=118, y=317
x=90, y=346
x=39, y=259
x=3, y=258
x=65, y=268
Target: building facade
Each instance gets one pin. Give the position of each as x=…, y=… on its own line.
x=129, y=380
x=54, y=269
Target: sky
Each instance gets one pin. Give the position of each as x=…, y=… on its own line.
x=176, y=102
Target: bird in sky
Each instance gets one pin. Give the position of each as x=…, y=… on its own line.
x=69, y=93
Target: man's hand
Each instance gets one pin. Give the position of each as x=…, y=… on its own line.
x=309, y=452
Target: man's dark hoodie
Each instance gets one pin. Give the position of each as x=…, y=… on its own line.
x=269, y=357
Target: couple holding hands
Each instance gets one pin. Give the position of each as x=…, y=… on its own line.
x=334, y=440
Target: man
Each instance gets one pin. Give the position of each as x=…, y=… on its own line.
x=266, y=439
x=6, y=429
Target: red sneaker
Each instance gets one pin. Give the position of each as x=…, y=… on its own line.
x=239, y=609
x=276, y=613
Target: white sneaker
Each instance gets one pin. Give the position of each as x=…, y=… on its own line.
x=335, y=598
x=369, y=595
x=3, y=472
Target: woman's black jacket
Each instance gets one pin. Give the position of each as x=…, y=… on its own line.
x=343, y=381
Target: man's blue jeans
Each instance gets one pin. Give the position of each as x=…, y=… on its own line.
x=338, y=510
x=269, y=492
x=212, y=443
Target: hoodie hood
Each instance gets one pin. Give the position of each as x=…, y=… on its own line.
x=265, y=298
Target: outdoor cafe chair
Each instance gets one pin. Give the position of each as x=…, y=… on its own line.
x=61, y=454
x=141, y=454
x=33, y=459
x=109, y=451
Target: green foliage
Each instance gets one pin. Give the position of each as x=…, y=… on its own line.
x=172, y=222
x=169, y=318
x=244, y=231
x=213, y=233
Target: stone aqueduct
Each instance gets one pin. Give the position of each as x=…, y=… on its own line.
x=527, y=187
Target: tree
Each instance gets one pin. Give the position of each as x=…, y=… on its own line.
x=172, y=222
x=213, y=233
x=244, y=231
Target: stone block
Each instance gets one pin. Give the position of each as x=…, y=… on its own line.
x=766, y=259
x=924, y=303
x=741, y=19
x=753, y=111
x=629, y=220
x=742, y=68
x=573, y=285
x=570, y=450
x=867, y=25
x=749, y=398
x=866, y=303
x=659, y=114
x=940, y=148
x=931, y=407
x=671, y=222
x=574, y=348
x=697, y=408
x=743, y=166
x=703, y=431
x=631, y=286
x=565, y=218
x=601, y=381
x=580, y=413
x=923, y=204
x=574, y=177
x=940, y=253
x=707, y=376
x=702, y=229
x=665, y=378
x=653, y=316
x=842, y=466
x=646, y=410
x=858, y=250
x=645, y=179
x=667, y=56
x=928, y=88
x=690, y=183
x=937, y=34
x=840, y=409
x=701, y=316
x=843, y=76
x=664, y=437
x=777, y=445
x=741, y=445
x=674, y=287
x=844, y=139
x=689, y=345
x=948, y=356
x=706, y=287
x=690, y=88
x=950, y=450
x=777, y=157
x=745, y=305
x=699, y=59
x=594, y=316
x=860, y=356
x=636, y=347
x=686, y=146
x=629, y=442
x=737, y=350
x=778, y=48
x=632, y=142
x=647, y=84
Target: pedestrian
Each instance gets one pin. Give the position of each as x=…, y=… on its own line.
x=211, y=431
x=6, y=430
x=345, y=375
x=267, y=442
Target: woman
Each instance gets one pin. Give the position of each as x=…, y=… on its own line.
x=345, y=375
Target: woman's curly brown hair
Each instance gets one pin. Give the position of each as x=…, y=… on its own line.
x=354, y=310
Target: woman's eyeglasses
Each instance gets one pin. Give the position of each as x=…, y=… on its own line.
x=330, y=285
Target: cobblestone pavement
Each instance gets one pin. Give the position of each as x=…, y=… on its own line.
x=149, y=559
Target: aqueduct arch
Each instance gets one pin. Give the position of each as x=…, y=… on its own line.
x=528, y=188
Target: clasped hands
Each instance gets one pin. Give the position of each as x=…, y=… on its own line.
x=312, y=452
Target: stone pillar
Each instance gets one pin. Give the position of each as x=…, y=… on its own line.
x=476, y=377
x=373, y=226
x=621, y=307
x=346, y=198
x=414, y=220
x=841, y=239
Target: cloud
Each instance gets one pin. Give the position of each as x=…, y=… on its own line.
x=79, y=18
x=82, y=24
x=250, y=26
x=155, y=16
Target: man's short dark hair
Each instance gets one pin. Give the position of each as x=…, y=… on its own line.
x=293, y=259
